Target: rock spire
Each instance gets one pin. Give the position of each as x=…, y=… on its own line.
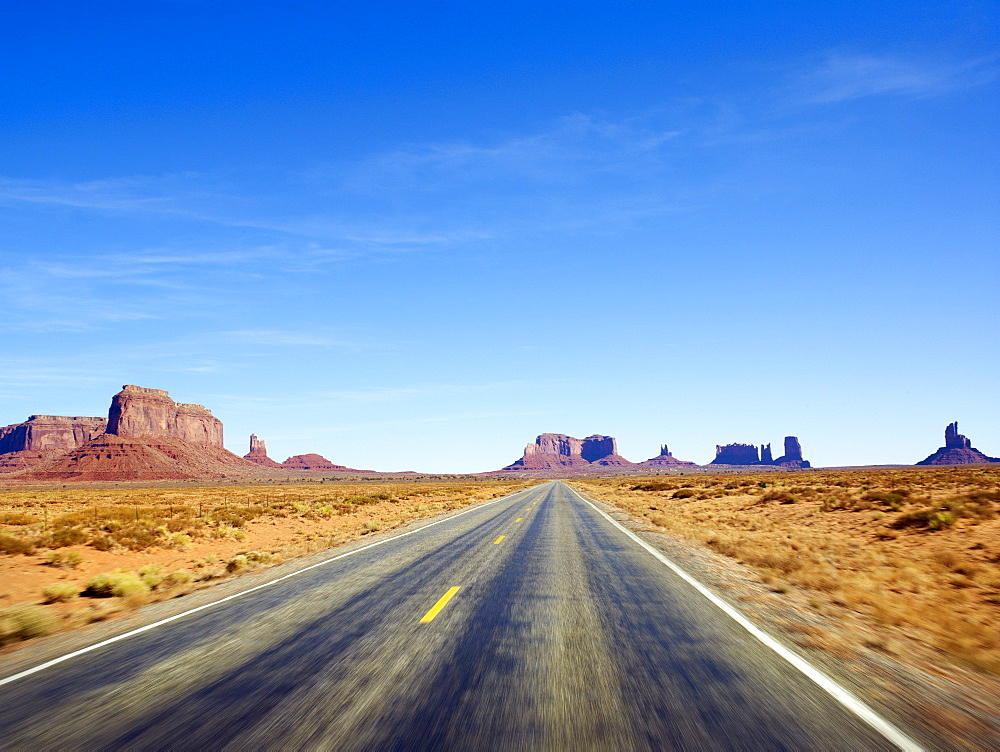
x=665, y=459
x=957, y=450
x=258, y=453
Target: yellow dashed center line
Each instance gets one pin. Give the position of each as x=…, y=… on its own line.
x=519, y=519
x=429, y=616
x=499, y=539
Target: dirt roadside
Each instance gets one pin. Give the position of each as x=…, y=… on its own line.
x=160, y=544
x=896, y=668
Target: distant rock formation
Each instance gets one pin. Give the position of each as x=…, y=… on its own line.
x=147, y=436
x=792, y=456
x=957, y=450
x=557, y=451
x=603, y=451
x=46, y=433
x=748, y=454
x=736, y=454
x=258, y=453
x=765, y=455
x=138, y=412
x=665, y=459
x=24, y=445
x=551, y=451
x=116, y=458
x=317, y=463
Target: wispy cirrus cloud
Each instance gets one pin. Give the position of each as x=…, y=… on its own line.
x=842, y=77
x=194, y=196
x=573, y=150
x=302, y=220
x=581, y=169
x=421, y=392
x=277, y=338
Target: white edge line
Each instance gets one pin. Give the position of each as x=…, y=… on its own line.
x=828, y=685
x=125, y=635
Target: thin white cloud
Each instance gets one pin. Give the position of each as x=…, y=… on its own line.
x=574, y=149
x=31, y=372
x=113, y=194
x=405, y=393
x=433, y=195
x=445, y=418
x=273, y=338
x=842, y=77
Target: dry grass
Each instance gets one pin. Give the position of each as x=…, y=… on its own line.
x=130, y=546
x=914, y=551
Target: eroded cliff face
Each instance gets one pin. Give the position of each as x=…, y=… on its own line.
x=554, y=447
x=147, y=436
x=138, y=412
x=736, y=454
x=112, y=458
x=49, y=433
x=24, y=445
x=957, y=450
x=557, y=451
x=551, y=450
x=750, y=454
x=596, y=448
x=793, y=454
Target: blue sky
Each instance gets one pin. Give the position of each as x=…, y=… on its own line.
x=415, y=235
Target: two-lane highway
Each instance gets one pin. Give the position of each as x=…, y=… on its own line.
x=531, y=622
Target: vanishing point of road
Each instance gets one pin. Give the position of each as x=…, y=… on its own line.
x=530, y=622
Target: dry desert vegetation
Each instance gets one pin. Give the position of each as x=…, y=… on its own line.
x=71, y=556
x=910, y=555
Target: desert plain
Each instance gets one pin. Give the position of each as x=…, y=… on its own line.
x=891, y=576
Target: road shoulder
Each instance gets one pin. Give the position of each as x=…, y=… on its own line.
x=943, y=708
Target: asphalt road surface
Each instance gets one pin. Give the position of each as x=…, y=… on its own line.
x=560, y=632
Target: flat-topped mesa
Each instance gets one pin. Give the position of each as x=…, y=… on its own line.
x=665, y=459
x=317, y=463
x=749, y=454
x=26, y=444
x=551, y=450
x=557, y=451
x=147, y=436
x=144, y=413
x=49, y=433
x=957, y=450
x=258, y=453
x=736, y=454
x=558, y=444
x=793, y=454
x=603, y=451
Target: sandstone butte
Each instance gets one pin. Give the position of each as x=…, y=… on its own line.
x=553, y=452
x=317, y=463
x=23, y=445
x=748, y=454
x=146, y=436
x=300, y=462
x=957, y=450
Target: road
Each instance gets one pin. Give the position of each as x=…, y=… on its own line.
x=563, y=634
